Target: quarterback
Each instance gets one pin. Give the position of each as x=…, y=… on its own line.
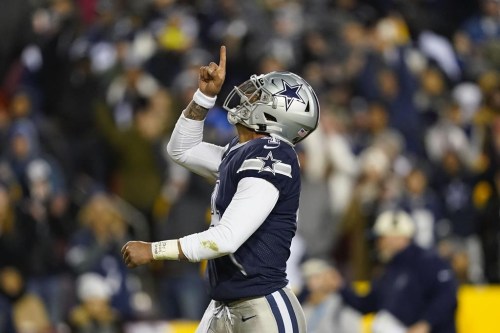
x=254, y=203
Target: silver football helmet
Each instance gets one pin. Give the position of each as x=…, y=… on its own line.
x=279, y=103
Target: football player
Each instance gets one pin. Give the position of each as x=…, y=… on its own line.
x=254, y=203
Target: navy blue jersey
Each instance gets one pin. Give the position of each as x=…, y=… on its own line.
x=258, y=267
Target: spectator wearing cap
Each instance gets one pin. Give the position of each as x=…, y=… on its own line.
x=324, y=309
x=94, y=313
x=416, y=292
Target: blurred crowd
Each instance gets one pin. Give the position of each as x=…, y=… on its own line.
x=90, y=91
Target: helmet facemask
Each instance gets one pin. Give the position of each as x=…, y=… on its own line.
x=243, y=100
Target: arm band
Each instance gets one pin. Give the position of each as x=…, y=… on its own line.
x=165, y=250
x=203, y=100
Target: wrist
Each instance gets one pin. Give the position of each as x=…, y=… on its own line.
x=165, y=250
x=203, y=100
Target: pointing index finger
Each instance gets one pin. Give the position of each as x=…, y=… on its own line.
x=222, y=61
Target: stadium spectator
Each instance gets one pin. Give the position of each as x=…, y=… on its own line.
x=126, y=89
x=138, y=170
x=454, y=182
x=354, y=250
x=17, y=232
x=324, y=309
x=75, y=138
x=342, y=165
x=45, y=202
x=423, y=206
x=318, y=229
x=409, y=273
x=483, y=27
x=95, y=247
x=448, y=134
x=93, y=313
x=20, y=310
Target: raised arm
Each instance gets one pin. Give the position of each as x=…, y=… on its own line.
x=186, y=146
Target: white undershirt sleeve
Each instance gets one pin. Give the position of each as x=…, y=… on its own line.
x=254, y=199
x=187, y=148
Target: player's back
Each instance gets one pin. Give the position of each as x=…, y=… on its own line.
x=258, y=267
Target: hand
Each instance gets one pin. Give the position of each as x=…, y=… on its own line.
x=212, y=76
x=137, y=253
x=420, y=327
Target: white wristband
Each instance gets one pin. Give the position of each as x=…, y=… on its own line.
x=165, y=250
x=203, y=100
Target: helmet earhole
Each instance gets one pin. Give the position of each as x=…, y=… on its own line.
x=269, y=117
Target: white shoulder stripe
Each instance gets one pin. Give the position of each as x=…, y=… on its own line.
x=256, y=164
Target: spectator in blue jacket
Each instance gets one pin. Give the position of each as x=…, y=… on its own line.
x=416, y=292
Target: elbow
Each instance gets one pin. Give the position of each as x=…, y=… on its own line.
x=231, y=248
x=175, y=154
x=170, y=150
x=230, y=242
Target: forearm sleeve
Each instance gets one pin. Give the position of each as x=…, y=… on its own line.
x=187, y=148
x=253, y=201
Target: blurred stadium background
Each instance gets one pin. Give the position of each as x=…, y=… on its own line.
x=90, y=90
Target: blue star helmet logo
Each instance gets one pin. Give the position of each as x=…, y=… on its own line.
x=291, y=93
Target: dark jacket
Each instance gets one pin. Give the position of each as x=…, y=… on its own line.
x=416, y=285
